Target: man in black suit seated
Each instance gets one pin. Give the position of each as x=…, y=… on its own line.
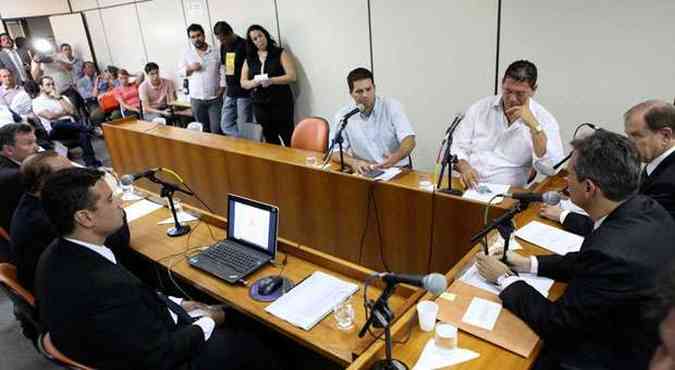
x=31, y=231
x=664, y=356
x=100, y=314
x=599, y=321
x=17, y=141
x=651, y=126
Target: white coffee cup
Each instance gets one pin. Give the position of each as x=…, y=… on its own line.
x=446, y=336
x=427, y=311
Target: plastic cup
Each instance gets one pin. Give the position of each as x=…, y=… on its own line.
x=344, y=315
x=427, y=311
x=311, y=161
x=446, y=336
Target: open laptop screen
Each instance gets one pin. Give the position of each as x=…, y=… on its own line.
x=252, y=223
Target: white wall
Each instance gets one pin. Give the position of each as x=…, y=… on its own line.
x=98, y=38
x=78, y=5
x=69, y=28
x=40, y=27
x=596, y=58
x=32, y=8
x=123, y=34
x=436, y=60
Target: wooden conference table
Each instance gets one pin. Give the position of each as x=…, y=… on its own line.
x=395, y=223
x=491, y=355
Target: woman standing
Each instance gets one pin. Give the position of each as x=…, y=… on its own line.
x=268, y=71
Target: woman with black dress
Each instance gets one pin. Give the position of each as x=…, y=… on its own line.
x=268, y=71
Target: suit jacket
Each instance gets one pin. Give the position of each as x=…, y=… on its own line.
x=611, y=281
x=8, y=163
x=660, y=186
x=11, y=188
x=7, y=62
x=31, y=233
x=103, y=316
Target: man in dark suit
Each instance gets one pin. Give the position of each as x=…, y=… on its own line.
x=12, y=60
x=599, y=322
x=31, y=231
x=100, y=314
x=651, y=126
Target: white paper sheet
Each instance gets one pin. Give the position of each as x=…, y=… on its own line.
x=485, y=191
x=182, y=217
x=140, y=209
x=434, y=357
x=482, y=313
x=310, y=301
x=388, y=174
x=472, y=277
x=567, y=205
x=557, y=241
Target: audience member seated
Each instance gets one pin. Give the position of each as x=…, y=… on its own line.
x=156, y=94
x=88, y=86
x=599, y=322
x=11, y=59
x=17, y=142
x=30, y=230
x=14, y=96
x=109, y=80
x=502, y=138
x=664, y=311
x=127, y=95
x=55, y=112
x=651, y=126
x=380, y=136
x=100, y=314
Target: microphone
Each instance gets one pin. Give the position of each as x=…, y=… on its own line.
x=434, y=283
x=455, y=122
x=550, y=197
x=132, y=177
x=359, y=108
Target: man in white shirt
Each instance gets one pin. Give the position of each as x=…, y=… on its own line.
x=502, y=137
x=201, y=66
x=11, y=60
x=13, y=96
x=378, y=137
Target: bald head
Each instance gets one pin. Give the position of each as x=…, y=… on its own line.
x=37, y=167
x=651, y=126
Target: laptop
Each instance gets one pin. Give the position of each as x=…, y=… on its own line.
x=251, y=241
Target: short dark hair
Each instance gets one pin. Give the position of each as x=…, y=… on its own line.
x=194, y=27
x=42, y=79
x=8, y=133
x=123, y=71
x=522, y=71
x=35, y=169
x=19, y=42
x=114, y=71
x=31, y=88
x=251, y=49
x=359, y=74
x=152, y=66
x=64, y=45
x=611, y=161
x=657, y=114
x=88, y=62
x=67, y=191
x=222, y=28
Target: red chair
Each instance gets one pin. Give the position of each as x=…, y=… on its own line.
x=23, y=300
x=49, y=350
x=311, y=134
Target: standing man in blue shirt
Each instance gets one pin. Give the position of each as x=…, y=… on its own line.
x=381, y=135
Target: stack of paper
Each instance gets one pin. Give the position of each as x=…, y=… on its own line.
x=557, y=241
x=140, y=209
x=388, y=174
x=482, y=313
x=472, y=277
x=309, y=302
x=485, y=191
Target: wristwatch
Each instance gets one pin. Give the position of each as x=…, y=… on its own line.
x=538, y=129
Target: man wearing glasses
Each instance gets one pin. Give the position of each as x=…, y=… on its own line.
x=502, y=137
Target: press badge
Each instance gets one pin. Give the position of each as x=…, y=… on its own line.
x=229, y=64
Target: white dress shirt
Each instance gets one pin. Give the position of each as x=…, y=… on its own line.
x=502, y=153
x=205, y=83
x=205, y=323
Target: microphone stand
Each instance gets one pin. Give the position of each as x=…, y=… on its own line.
x=167, y=192
x=504, y=225
x=338, y=139
x=449, y=159
x=381, y=316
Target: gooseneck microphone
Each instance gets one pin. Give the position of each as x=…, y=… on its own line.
x=129, y=179
x=550, y=197
x=359, y=108
x=434, y=283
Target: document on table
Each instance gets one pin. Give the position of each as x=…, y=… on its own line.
x=557, y=241
x=182, y=217
x=472, y=277
x=485, y=191
x=567, y=205
x=388, y=174
x=311, y=300
x=434, y=357
x=482, y=313
x=140, y=209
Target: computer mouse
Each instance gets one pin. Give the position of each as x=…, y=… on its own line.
x=269, y=285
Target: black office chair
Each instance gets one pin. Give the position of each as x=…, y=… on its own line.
x=23, y=300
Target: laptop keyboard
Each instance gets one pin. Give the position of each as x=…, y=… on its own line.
x=223, y=254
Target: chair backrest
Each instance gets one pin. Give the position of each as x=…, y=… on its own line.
x=49, y=350
x=10, y=283
x=251, y=131
x=311, y=134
